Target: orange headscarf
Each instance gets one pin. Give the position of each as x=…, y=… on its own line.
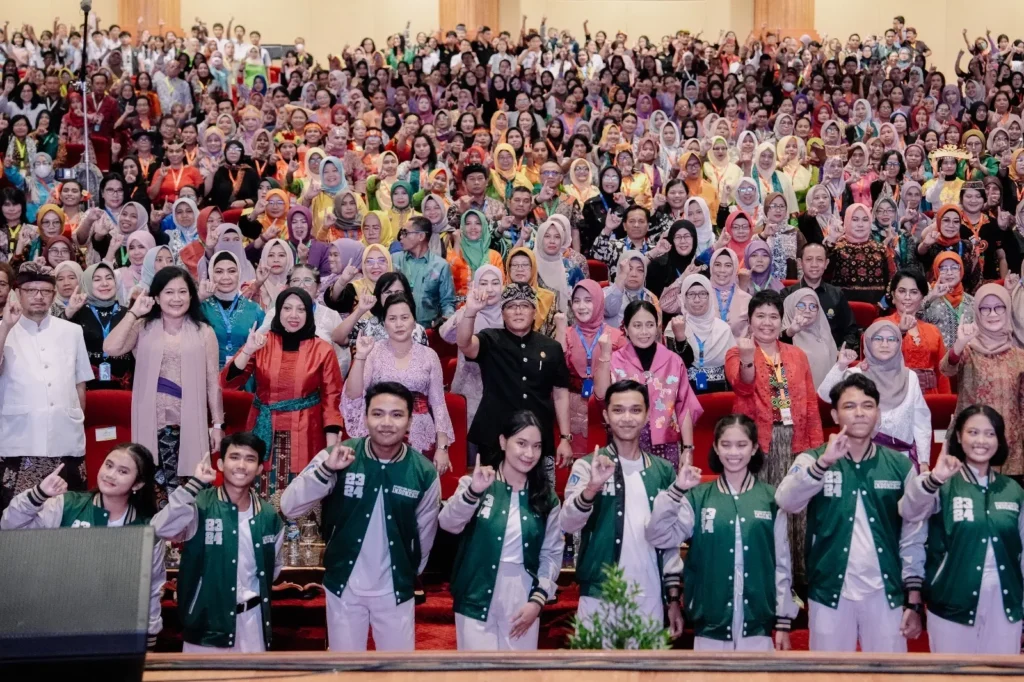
x=957, y=294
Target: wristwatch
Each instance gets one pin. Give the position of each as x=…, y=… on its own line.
x=916, y=608
x=567, y=436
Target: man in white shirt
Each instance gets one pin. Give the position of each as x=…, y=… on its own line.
x=170, y=88
x=43, y=371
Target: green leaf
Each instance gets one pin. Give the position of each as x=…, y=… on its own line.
x=618, y=622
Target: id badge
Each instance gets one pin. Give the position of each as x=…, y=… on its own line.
x=105, y=371
x=588, y=388
x=701, y=379
x=787, y=416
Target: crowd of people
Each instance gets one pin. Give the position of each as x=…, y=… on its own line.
x=586, y=217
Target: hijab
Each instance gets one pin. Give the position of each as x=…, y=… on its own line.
x=736, y=245
x=246, y=272
x=753, y=209
x=581, y=190
x=814, y=340
x=308, y=215
x=551, y=269
x=387, y=233
x=73, y=267
x=350, y=252
x=291, y=340
x=677, y=261
x=132, y=273
x=346, y=224
x=149, y=266
x=342, y=183
x=87, y=287
x=890, y=376
x=609, y=197
x=992, y=342
x=489, y=316
x=436, y=228
x=545, y=298
x=707, y=329
x=189, y=232
x=364, y=283
x=275, y=284
x=956, y=294
x=141, y=225
x=943, y=241
x=476, y=252
x=227, y=255
x=763, y=280
x=264, y=218
x=588, y=331
x=848, y=220
x=628, y=255
x=705, y=232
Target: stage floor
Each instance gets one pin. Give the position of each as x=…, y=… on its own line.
x=566, y=666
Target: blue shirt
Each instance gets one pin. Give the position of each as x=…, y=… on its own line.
x=433, y=289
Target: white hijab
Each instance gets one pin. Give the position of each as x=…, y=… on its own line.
x=709, y=328
x=552, y=268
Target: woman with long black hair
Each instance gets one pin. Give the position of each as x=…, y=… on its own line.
x=510, y=543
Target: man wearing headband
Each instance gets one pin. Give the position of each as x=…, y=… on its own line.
x=43, y=371
x=521, y=370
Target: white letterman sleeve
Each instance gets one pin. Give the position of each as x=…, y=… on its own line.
x=785, y=607
x=551, y=553
x=278, y=554
x=33, y=509
x=179, y=520
x=313, y=484
x=805, y=479
x=672, y=519
x=156, y=589
x=920, y=499
x=1020, y=531
x=426, y=520
x=460, y=507
x=912, y=541
x=576, y=511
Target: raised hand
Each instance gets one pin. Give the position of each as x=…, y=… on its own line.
x=204, y=472
x=339, y=457
x=723, y=240
x=53, y=484
x=475, y=302
x=12, y=311
x=679, y=328
x=661, y=248
x=1011, y=281
x=838, y=446
x=75, y=303
x=483, y=477
x=964, y=335
x=262, y=273
x=743, y=278
x=946, y=467
x=561, y=321
x=930, y=235
x=364, y=344
x=143, y=304
x=602, y=468
x=255, y=341
x=349, y=273
x=659, y=201
x=907, y=322
x=688, y=477
x=272, y=232
x=847, y=356
x=303, y=253
x=612, y=222
x=605, y=342
x=800, y=320
x=745, y=344
x=206, y=289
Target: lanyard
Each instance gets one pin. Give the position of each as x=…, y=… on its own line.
x=723, y=308
x=105, y=328
x=226, y=315
x=700, y=350
x=589, y=349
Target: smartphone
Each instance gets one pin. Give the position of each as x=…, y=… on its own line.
x=63, y=174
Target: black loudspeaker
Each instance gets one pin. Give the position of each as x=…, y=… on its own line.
x=74, y=602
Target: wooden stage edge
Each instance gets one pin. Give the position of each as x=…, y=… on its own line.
x=566, y=666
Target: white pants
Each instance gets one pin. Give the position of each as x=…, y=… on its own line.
x=871, y=621
x=990, y=634
x=248, y=636
x=650, y=607
x=760, y=643
x=349, y=618
x=511, y=593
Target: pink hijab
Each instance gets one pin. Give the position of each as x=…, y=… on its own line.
x=584, y=334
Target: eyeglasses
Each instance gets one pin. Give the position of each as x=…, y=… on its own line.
x=43, y=293
x=697, y=295
x=892, y=164
x=305, y=281
x=403, y=233
x=114, y=190
x=376, y=261
x=952, y=267
x=550, y=174
x=813, y=307
x=276, y=203
x=516, y=307
x=519, y=266
x=995, y=310
x=885, y=339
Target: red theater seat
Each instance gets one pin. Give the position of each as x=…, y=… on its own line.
x=458, y=452
x=828, y=425
x=236, y=410
x=598, y=270
x=790, y=282
x=443, y=349
x=448, y=367
x=864, y=313
x=232, y=215
x=716, y=406
x=942, y=406
x=108, y=421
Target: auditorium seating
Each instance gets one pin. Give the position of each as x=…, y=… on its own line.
x=232, y=215
x=716, y=406
x=942, y=407
x=598, y=270
x=443, y=349
x=864, y=313
x=108, y=421
x=458, y=452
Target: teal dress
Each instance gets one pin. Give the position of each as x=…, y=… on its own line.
x=231, y=322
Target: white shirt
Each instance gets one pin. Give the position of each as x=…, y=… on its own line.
x=371, y=575
x=247, y=584
x=42, y=365
x=638, y=558
x=863, y=575
x=512, y=546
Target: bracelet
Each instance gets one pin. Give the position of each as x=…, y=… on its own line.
x=604, y=358
x=219, y=427
x=132, y=312
x=358, y=357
